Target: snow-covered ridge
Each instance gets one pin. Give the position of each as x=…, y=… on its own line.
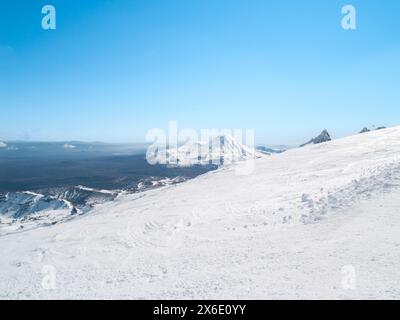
x=83, y=188
x=154, y=182
x=18, y=204
x=218, y=150
x=27, y=209
x=24, y=210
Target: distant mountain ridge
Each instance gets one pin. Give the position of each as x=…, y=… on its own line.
x=365, y=129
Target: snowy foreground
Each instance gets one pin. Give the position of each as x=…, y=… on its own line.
x=317, y=222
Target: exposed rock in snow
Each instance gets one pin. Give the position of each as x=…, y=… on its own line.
x=19, y=204
x=3, y=144
x=26, y=210
x=364, y=130
x=219, y=150
x=266, y=150
x=153, y=182
x=30, y=210
x=323, y=137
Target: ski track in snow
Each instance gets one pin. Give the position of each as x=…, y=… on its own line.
x=284, y=231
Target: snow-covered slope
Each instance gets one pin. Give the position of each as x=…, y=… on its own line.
x=298, y=226
x=219, y=150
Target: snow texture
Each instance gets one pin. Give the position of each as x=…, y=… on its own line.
x=319, y=222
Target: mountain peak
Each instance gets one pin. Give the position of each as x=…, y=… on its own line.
x=324, y=136
x=219, y=149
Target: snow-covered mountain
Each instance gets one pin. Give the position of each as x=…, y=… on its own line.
x=322, y=137
x=318, y=222
x=19, y=204
x=20, y=211
x=218, y=150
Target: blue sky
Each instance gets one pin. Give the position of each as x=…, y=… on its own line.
x=114, y=69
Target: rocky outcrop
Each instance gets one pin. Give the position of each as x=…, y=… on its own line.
x=322, y=137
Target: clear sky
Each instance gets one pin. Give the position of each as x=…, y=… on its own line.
x=114, y=69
